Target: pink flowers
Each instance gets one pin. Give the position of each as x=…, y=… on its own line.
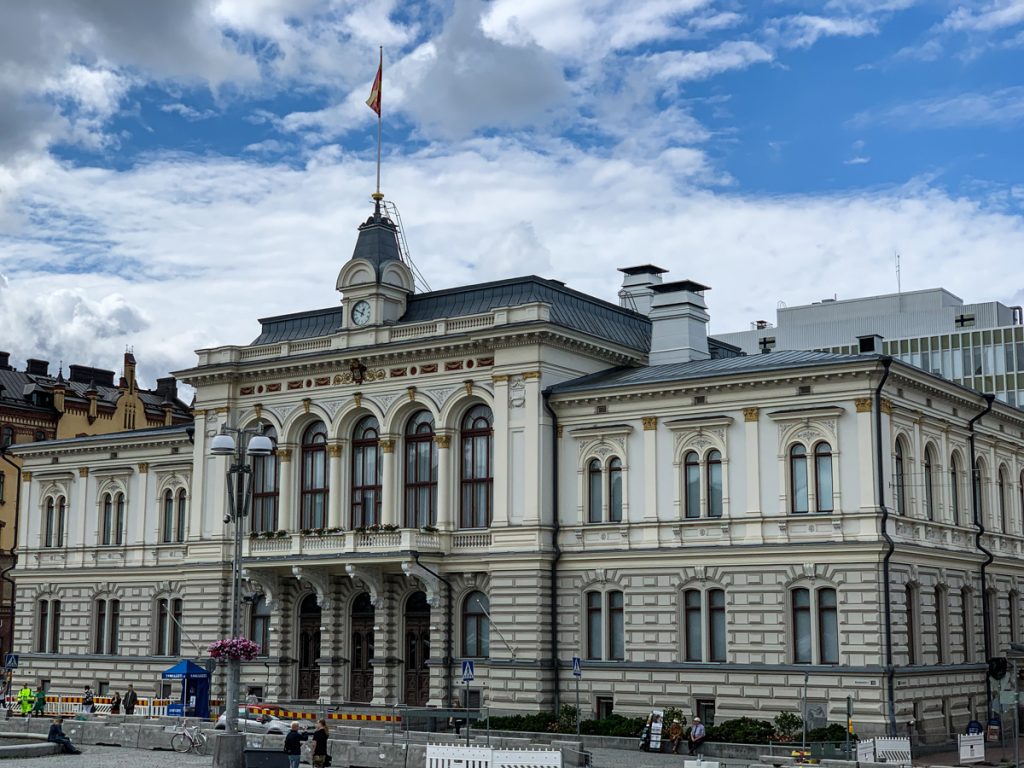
x=238, y=648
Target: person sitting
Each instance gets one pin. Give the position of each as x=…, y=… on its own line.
x=675, y=735
x=57, y=736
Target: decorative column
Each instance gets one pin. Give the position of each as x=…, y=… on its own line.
x=334, y=485
x=866, y=453
x=385, y=658
x=651, y=505
x=286, y=515
x=751, y=436
x=138, y=532
x=74, y=525
x=388, y=507
x=500, y=457
x=445, y=482
x=332, y=631
x=536, y=499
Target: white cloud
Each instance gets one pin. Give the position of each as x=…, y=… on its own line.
x=700, y=65
x=1003, y=107
x=995, y=16
x=803, y=31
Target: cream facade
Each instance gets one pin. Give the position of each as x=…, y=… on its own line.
x=498, y=472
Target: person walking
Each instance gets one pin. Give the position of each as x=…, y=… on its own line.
x=293, y=744
x=88, y=701
x=697, y=736
x=57, y=736
x=39, y=706
x=131, y=698
x=25, y=699
x=115, y=704
x=320, y=737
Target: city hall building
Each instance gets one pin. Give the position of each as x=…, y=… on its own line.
x=518, y=473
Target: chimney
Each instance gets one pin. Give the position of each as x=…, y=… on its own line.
x=637, y=287
x=871, y=344
x=168, y=387
x=679, y=323
x=5, y=361
x=83, y=374
x=35, y=367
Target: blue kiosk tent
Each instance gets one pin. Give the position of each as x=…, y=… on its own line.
x=195, y=688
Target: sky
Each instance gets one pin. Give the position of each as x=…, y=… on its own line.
x=171, y=171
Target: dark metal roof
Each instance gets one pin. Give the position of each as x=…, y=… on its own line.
x=680, y=285
x=132, y=434
x=569, y=309
x=377, y=241
x=643, y=269
x=700, y=369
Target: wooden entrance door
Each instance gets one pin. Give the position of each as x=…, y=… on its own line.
x=417, y=649
x=309, y=649
x=361, y=670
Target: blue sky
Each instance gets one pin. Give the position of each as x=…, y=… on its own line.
x=170, y=171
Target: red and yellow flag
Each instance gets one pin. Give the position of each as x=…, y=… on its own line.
x=374, y=101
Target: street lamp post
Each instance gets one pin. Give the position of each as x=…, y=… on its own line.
x=251, y=443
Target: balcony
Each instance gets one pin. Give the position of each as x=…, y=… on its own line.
x=344, y=543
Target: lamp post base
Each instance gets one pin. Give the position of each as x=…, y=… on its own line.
x=229, y=750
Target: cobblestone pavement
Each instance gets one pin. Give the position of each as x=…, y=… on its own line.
x=119, y=757
x=622, y=758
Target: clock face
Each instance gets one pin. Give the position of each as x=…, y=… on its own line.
x=361, y=312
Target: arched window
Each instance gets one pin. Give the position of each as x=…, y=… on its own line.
x=691, y=470
x=716, y=624
x=168, y=526
x=259, y=631
x=1004, y=520
x=265, y=487
x=828, y=626
x=366, y=473
x=615, y=490
x=929, y=487
x=174, y=516
x=801, y=626
x=594, y=482
x=313, y=508
x=605, y=617
x=168, y=629
x=954, y=489
x=977, y=485
x=476, y=478
x=941, y=625
x=476, y=626
x=112, y=519
x=899, y=479
x=798, y=479
x=815, y=625
x=593, y=602
x=53, y=534
x=693, y=622
x=179, y=523
x=823, y=477
x=1020, y=510
x=714, y=480
x=616, y=626
x=420, y=471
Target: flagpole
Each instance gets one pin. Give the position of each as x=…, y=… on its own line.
x=380, y=119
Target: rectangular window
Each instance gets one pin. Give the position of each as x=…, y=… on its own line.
x=594, y=625
x=941, y=625
x=616, y=626
x=114, y=625
x=42, y=626
x=706, y=711
x=55, y=626
x=828, y=627
x=175, y=649
x=692, y=469
x=692, y=619
x=801, y=626
x=605, y=705
x=101, y=626
x=716, y=624
x=162, y=620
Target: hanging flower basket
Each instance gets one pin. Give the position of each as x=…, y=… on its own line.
x=236, y=648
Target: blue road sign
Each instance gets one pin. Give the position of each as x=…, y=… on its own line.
x=577, y=669
x=468, y=672
x=11, y=660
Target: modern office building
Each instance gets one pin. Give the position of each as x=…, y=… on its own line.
x=518, y=473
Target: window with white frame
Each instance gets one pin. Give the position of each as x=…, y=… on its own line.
x=476, y=626
x=955, y=479
x=941, y=624
x=265, y=487
x=929, y=483
x=107, y=626
x=112, y=520
x=604, y=490
x=605, y=625
x=54, y=521
x=174, y=503
x=259, y=624
x=967, y=608
x=168, y=628
x=48, y=626
x=1002, y=487
x=703, y=489
x=913, y=606
x=899, y=478
x=705, y=625
x=811, y=478
x=815, y=624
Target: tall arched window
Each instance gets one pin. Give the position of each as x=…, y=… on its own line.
x=168, y=521
x=313, y=508
x=476, y=626
x=112, y=519
x=174, y=516
x=179, y=523
x=1004, y=520
x=801, y=626
x=714, y=475
x=954, y=489
x=899, y=479
x=977, y=485
x=716, y=625
x=828, y=626
x=967, y=606
x=595, y=480
x=941, y=624
x=823, y=477
x=420, y=471
x=693, y=622
x=929, y=484
x=798, y=479
x=615, y=490
x=476, y=479
x=366, y=473
x=691, y=470
x=265, y=487
x=53, y=535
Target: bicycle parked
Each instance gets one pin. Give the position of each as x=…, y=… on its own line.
x=189, y=740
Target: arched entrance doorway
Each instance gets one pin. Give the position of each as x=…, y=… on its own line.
x=309, y=648
x=361, y=672
x=417, y=649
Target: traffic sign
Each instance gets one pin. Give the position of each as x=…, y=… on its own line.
x=577, y=670
x=467, y=671
x=10, y=660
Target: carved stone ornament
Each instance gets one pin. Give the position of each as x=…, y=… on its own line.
x=440, y=394
x=516, y=392
x=751, y=414
x=331, y=406
x=443, y=441
x=385, y=399
x=862, y=404
x=650, y=423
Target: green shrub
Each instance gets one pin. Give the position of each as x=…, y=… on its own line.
x=613, y=725
x=787, y=726
x=831, y=732
x=539, y=722
x=743, y=730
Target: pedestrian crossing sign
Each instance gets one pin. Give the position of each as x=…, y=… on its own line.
x=467, y=671
x=577, y=669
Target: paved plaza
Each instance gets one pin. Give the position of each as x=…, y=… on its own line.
x=119, y=757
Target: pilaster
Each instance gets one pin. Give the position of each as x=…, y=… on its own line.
x=501, y=454
x=445, y=480
x=651, y=506
x=534, y=497
x=866, y=453
x=287, y=509
x=388, y=505
x=334, y=485
x=386, y=665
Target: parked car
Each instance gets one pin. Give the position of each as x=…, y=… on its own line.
x=251, y=722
